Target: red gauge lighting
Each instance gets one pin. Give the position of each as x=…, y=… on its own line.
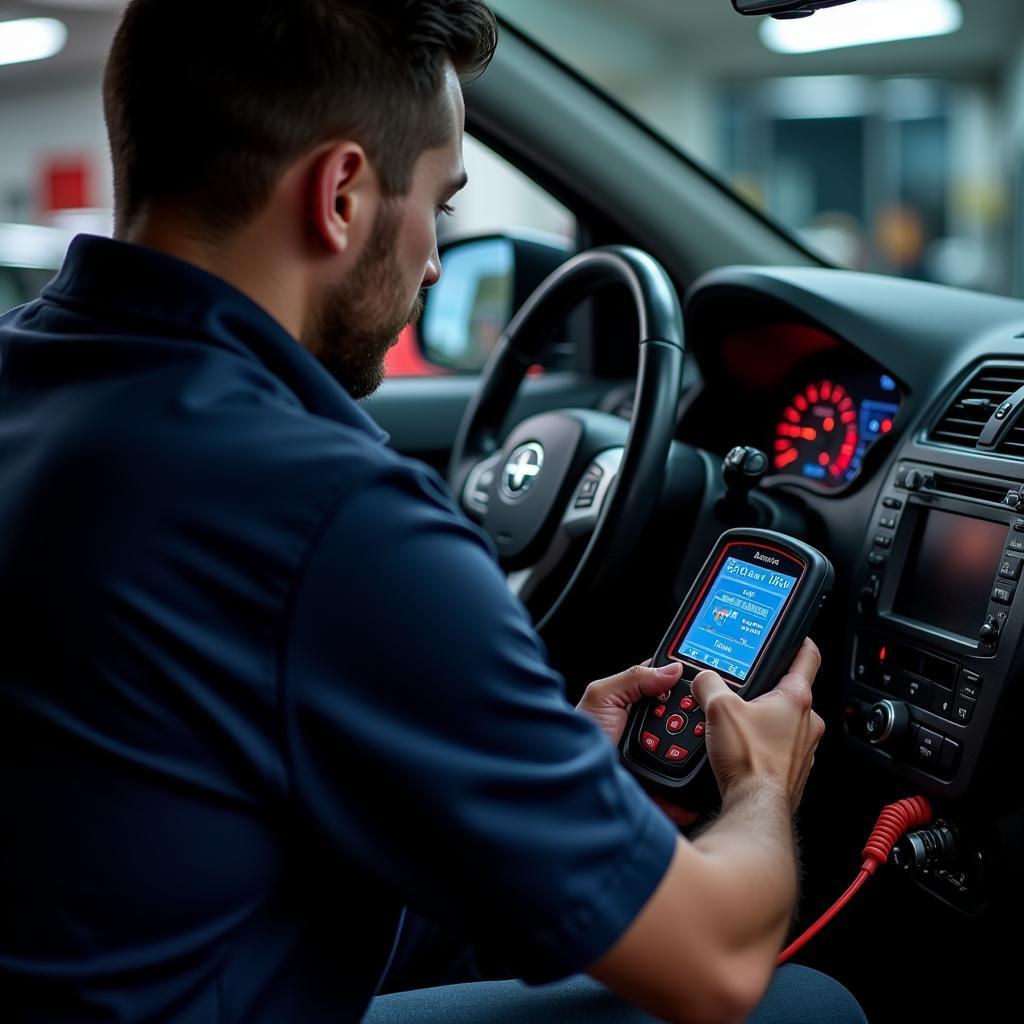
x=818, y=429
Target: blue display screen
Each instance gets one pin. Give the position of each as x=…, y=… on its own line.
x=736, y=618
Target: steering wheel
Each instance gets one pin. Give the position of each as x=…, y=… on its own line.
x=563, y=475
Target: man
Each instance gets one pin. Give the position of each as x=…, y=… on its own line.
x=266, y=695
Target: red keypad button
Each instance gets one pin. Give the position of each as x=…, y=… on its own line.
x=675, y=753
x=659, y=710
x=698, y=729
x=687, y=703
x=664, y=696
x=675, y=724
x=650, y=741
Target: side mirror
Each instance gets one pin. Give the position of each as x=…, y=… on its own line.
x=483, y=283
x=785, y=8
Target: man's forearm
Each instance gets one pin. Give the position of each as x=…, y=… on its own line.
x=751, y=852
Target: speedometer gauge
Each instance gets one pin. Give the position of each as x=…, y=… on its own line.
x=818, y=431
x=826, y=429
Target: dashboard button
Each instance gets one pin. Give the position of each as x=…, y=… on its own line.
x=942, y=701
x=1010, y=568
x=963, y=710
x=892, y=503
x=1004, y=595
x=1018, y=525
x=881, y=541
x=1016, y=544
x=949, y=755
x=876, y=559
x=887, y=522
x=970, y=685
x=927, y=747
x=916, y=691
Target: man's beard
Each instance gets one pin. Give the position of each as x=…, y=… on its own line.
x=357, y=321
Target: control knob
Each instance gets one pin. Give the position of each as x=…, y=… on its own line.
x=886, y=720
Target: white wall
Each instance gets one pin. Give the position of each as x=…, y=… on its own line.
x=67, y=121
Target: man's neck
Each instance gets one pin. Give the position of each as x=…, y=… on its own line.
x=246, y=261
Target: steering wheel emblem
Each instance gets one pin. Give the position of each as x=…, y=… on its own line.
x=521, y=471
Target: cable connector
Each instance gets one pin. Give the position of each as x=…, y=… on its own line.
x=893, y=822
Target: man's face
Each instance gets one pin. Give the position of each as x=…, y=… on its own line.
x=361, y=317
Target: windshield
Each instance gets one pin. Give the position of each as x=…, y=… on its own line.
x=901, y=155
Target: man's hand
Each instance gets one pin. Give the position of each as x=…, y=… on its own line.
x=608, y=701
x=771, y=738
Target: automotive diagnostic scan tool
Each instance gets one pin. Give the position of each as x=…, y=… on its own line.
x=745, y=617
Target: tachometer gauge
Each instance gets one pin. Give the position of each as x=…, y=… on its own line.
x=826, y=430
x=818, y=433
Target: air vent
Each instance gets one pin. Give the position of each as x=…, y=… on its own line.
x=963, y=422
x=1013, y=443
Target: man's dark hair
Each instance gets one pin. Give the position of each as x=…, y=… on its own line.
x=207, y=102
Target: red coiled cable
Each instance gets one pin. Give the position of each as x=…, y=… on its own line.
x=894, y=820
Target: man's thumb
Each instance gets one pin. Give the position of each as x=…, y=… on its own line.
x=707, y=686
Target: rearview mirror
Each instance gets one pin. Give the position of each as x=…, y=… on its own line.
x=785, y=8
x=483, y=283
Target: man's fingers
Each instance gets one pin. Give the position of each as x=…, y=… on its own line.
x=797, y=682
x=709, y=686
x=807, y=661
x=635, y=684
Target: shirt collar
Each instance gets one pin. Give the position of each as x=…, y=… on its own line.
x=162, y=294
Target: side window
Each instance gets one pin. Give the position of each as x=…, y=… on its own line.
x=499, y=200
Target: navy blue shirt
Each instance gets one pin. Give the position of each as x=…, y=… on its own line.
x=262, y=685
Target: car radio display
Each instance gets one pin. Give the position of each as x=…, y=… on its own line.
x=736, y=617
x=948, y=577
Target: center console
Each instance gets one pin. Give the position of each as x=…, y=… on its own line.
x=938, y=620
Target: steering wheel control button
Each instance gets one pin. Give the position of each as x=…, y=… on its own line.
x=675, y=724
x=675, y=753
x=650, y=742
x=659, y=710
x=963, y=710
x=1010, y=569
x=521, y=470
x=699, y=729
x=1004, y=595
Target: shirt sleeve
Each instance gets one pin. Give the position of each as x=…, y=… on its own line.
x=430, y=740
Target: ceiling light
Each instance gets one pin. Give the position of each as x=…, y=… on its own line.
x=867, y=21
x=31, y=39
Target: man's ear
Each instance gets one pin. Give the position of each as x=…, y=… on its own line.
x=343, y=185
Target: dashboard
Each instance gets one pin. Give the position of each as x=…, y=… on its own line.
x=892, y=414
x=814, y=404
